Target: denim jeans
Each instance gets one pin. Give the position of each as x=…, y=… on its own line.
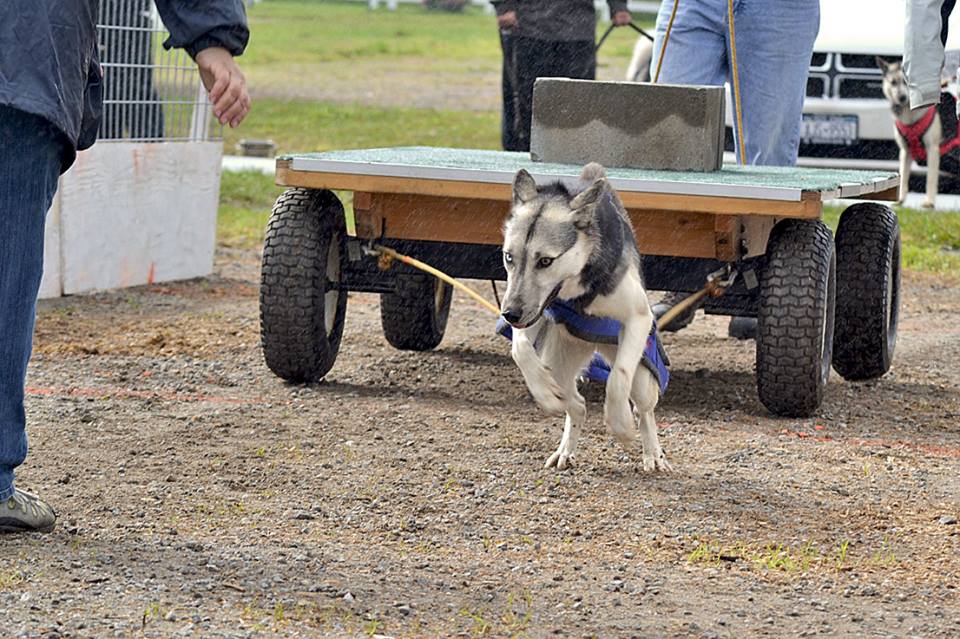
x=774, y=44
x=30, y=151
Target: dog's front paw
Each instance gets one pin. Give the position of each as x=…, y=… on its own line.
x=657, y=462
x=928, y=203
x=550, y=398
x=562, y=459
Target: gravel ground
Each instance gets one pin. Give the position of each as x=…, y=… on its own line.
x=200, y=496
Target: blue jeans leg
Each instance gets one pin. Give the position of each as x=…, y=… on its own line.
x=774, y=44
x=29, y=169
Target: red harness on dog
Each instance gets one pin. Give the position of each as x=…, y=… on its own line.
x=913, y=134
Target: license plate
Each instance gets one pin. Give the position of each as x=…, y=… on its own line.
x=829, y=129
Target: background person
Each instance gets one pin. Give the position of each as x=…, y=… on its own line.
x=544, y=38
x=925, y=35
x=50, y=107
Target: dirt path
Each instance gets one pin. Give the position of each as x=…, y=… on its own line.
x=200, y=496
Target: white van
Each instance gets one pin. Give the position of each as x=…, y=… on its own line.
x=846, y=119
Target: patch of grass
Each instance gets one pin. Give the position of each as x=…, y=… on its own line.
x=306, y=32
x=316, y=126
x=11, y=579
x=246, y=198
x=930, y=240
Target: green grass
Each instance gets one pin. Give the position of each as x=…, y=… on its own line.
x=930, y=240
x=316, y=126
x=305, y=32
x=246, y=198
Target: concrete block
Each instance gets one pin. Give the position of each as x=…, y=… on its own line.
x=628, y=124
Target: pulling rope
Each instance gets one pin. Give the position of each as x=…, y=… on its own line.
x=666, y=39
x=717, y=282
x=387, y=255
x=734, y=69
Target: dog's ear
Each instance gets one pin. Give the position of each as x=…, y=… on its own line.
x=584, y=206
x=524, y=187
x=883, y=64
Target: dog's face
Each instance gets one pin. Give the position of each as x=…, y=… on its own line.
x=546, y=243
x=894, y=84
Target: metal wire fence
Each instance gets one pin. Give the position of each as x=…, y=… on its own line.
x=150, y=94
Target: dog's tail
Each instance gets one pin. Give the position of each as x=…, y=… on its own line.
x=592, y=172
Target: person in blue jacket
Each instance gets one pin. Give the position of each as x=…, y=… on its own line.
x=50, y=107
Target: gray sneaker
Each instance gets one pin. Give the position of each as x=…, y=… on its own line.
x=26, y=513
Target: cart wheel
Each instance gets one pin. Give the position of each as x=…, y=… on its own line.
x=795, y=317
x=414, y=316
x=301, y=315
x=868, y=291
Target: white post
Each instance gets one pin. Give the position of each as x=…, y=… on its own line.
x=200, y=121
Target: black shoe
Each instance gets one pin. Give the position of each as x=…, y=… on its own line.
x=742, y=328
x=682, y=320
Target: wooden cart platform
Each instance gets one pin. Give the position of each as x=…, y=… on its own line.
x=463, y=195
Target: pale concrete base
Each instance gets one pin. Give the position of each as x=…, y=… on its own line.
x=131, y=213
x=628, y=124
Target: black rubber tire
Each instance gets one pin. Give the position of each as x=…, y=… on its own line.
x=868, y=291
x=795, y=318
x=414, y=317
x=299, y=335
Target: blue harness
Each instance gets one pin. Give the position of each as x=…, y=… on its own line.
x=602, y=330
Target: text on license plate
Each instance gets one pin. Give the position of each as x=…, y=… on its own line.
x=828, y=129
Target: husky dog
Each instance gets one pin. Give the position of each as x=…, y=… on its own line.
x=579, y=247
x=907, y=119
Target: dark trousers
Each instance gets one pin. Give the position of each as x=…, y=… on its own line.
x=29, y=169
x=525, y=60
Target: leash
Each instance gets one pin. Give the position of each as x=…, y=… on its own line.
x=612, y=26
x=717, y=282
x=733, y=61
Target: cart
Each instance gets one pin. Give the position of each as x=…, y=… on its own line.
x=820, y=300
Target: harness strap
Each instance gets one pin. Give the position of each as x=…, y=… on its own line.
x=913, y=134
x=600, y=330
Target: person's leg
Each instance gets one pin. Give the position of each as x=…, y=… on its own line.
x=774, y=44
x=696, y=52
x=529, y=55
x=575, y=59
x=508, y=123
x=29, y=169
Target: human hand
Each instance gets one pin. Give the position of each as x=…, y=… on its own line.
x=621, y=18
x=226, y=85
x=508, y=20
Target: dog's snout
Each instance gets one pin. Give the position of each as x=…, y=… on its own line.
x=512, y=315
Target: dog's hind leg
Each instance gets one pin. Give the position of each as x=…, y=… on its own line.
x=565, y=357
x=645, y=395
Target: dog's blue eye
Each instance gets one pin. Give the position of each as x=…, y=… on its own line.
x=507, y=257
x=544, y=262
